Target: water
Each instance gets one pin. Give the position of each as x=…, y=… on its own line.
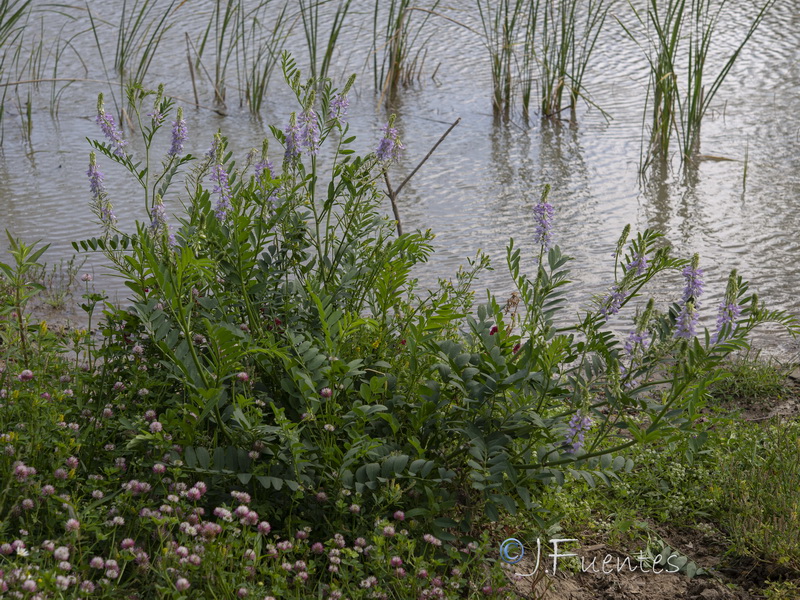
x=479, y=188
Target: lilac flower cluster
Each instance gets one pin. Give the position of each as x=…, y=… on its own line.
x=95, y=178
x=611, y=304
x=294, y=139
x=338, y=108
x=642, y=340
x=638, y=264
x=302, y=133
x=693, y=277
x=579, y=424
x=543, y=214
x=390, y=145
x=262, y=166
x=686, y=322
x=179, y=134
x=729, y=312
x=309, y=134
x=100, y=203
x=109, y=128
x=220, y=176
x=159, y=218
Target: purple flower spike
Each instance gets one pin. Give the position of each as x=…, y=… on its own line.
x=694, y=281
x=686, y=323
x=578, y=426
x=634, y=338
x=220, y=177
x=179, y=135
x=639, y=263
x=309, y=135
x=100, y=204
x=294, y=139
x=390, y=145
x=543, y=213
x=611, y=304
x=264, y=165
x=159, y=218
x=728, y=314
x=729, y=310
x=109, y=127
x=95, y=177
x=338, y=108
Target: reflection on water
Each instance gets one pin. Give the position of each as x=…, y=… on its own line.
x=480, y=186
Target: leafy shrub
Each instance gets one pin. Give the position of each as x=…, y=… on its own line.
x=276, y=348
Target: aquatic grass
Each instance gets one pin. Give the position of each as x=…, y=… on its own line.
x=565, y=48
x=500, y=22
x=679, y=36
x=13, y=16
x=139, y=33
x=394, y=43
x=26, y=57
x=266, y=55
x=225, y=22
x=13, y=13
x=311, y=19
x=550, y=41
x=529, y=65
x=139, y=36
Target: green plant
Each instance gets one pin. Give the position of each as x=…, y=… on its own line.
x=267, y=42
x=675, y=108
x=18, y=277
x=757, y=489
x=558, y=44
x=751, y=379
x=139, y=34
x=57, y=281
x=395, y=45
x=781, y=590
x=500, y=23
x=283, y=313
x=309, y=14
x=565, y=50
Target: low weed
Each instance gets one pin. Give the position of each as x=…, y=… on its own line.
x=751, y=379
x=757, y=488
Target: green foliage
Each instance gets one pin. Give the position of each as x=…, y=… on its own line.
x=674, y=30
x=275, y=341
x=757, y=490
x=289, y=320
x=751, y=379
x=20, y=280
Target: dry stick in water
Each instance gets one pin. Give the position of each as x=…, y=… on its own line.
x=394, y=193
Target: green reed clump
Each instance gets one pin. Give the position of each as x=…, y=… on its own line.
x=266, y=39
x=569, y=32
x=13, y=16
x=548, y=40
x=141, y=28
x=501, y=22
x=226, y=23
x=310, y=16
x=678, y=44
x=398, y=44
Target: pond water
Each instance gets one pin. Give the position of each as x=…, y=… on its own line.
x=480, y=186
